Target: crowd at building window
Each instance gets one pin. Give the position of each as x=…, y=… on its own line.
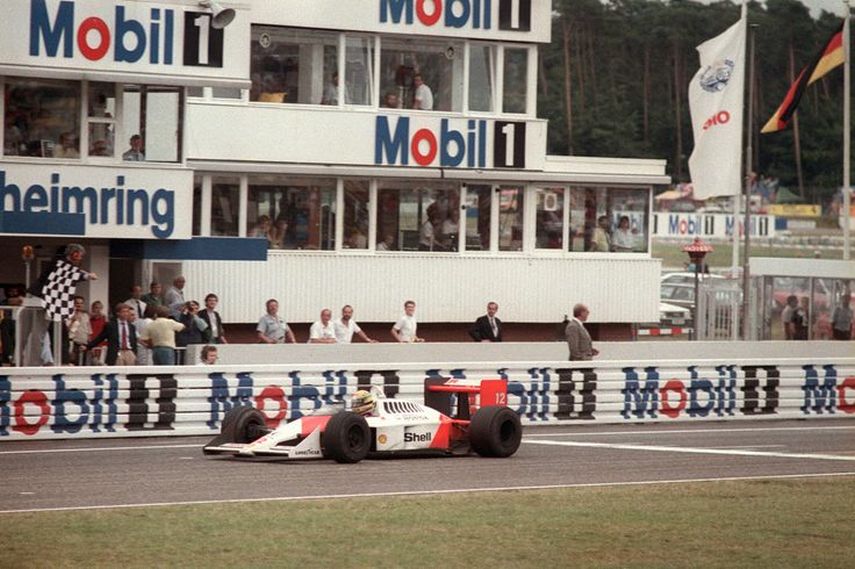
x=42, y=119
x=299, y=66
x=301, y=213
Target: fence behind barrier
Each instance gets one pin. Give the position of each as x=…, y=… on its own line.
x=86, y=402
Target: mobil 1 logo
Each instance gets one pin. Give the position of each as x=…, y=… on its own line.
x=203, y=43
x=509, y=144
x=515, y=15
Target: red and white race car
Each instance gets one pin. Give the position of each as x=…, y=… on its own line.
x=481, y=421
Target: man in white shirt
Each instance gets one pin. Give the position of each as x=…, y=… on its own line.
x=404, y=330
x=346, y=327
x=174, y=297
x=135, y=301
x=323, y=331
x=423, y=98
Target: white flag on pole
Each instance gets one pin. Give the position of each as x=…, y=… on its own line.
x=716, y=100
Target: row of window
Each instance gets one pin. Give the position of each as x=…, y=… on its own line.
x=73, y=119
x=340, y=214
x=298, y=66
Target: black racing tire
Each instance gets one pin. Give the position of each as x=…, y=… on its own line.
x=229, y=418
x=245, y=424
x=346, y=438
x=495, y=432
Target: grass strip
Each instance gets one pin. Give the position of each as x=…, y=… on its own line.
x=790, y=523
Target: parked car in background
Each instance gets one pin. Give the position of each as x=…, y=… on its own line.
x=671, y=315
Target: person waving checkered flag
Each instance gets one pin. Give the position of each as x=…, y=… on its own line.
x=58, y=291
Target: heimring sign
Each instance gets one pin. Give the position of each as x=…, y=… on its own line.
x=127, y=203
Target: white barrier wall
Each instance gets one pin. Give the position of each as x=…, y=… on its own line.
x=144, y=401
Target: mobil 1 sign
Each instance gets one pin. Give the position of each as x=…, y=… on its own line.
x=449, y=143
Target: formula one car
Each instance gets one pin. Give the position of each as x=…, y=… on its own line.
x=375, y=425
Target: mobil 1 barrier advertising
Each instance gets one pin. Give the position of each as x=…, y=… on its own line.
x=710, y=225
x=151, y=38
x=91, y=201
x=193, y=400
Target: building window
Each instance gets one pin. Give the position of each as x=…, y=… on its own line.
x=482, y=72
x=478, y=207
x=197, y=206
x=359, y=70
x=42, y=118
x=609, y=220
x=289, y=65
x=515, y=80
x=415, y=217
x=423, y=75
x=225, y=203
x=225, y=93
x=356, y=213
x=152, y=122
x=511, y=218
x=101, y=118
x=549, y=228
x=293, y=213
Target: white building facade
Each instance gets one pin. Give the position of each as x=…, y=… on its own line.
x=322, y=153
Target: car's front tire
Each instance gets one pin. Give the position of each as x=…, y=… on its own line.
x=243, y=424
x=346, y=438
x=495, y=431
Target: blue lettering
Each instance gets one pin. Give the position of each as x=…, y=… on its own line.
x=220, y=395
x=396, y=7
x=70, y=396
x=648, y=396
x=448, y=136
x=124, y=27
x=11, y=191
x=40, y=27
x=458, y=21
x=165, y=219
x=384, y=142
x=298, y=392
x=5, y=397
x=819, y=396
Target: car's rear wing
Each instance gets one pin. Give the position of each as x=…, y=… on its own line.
x=471, y=395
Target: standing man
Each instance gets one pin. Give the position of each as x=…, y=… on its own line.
x=423, y=97
x=841, y=320
x=271, y=329
x=121, y=338
x=323, y=331
x=136, y=302
x=160, y=337
x=346, y=327
x=404, y=330
x=135, y=152
x=578, y=338
x=213, y=320
x=155, y=297
x=788, y=317
x=601, y=240
x=54, y=291
x=174, y=297
x=487, y=328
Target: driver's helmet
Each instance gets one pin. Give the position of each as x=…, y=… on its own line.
x=362, y=402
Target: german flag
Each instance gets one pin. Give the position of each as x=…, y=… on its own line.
x=830, y=57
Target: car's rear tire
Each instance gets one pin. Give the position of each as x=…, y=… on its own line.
x=243, y=424
x=346, y=438
x=495, y=432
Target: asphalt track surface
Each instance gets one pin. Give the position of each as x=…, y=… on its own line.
x=82, y=474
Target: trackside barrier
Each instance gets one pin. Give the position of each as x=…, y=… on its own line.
x=39, y=403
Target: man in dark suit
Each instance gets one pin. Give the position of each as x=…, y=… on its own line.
x=487, y=328
x=213, y=320
x=121, y=336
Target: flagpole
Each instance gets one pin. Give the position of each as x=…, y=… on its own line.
x=734, y=262
x=746, y=282
x=846, y=134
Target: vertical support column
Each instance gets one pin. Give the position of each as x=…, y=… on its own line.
x=243, y=205
x=205, y=207
x=339, y=218
x=372, y=215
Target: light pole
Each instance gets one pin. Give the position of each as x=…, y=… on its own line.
x=697, y=250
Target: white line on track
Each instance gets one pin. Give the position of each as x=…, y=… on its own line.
x=692, y=450
x=436, y=492
x=97, y=449
x=688, y=431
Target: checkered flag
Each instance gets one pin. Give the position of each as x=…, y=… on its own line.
x=58, y=292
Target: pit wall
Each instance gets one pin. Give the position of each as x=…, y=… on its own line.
x=39, y=403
